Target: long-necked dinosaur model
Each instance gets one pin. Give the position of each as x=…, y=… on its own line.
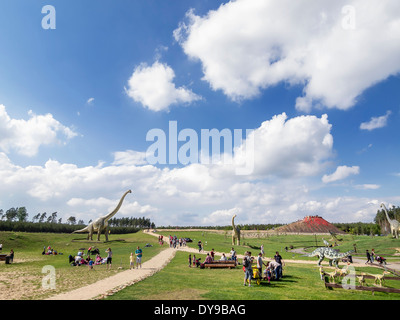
x=235, y=232
x=394, y=224
x=100, y=225
x=329, y=253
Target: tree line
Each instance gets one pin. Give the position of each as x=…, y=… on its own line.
x=141, y=223
x=16, y=219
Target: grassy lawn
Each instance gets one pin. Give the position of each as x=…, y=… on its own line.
x=300, y=282
x=23, y=278
x=222, y=242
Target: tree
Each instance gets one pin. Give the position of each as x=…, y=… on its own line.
x=42, y=217
x=36, y=217
x=22, y=214
x=52, y=218
x=71, y=220
x=11, y=214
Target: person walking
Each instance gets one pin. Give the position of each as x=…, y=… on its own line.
x=131, y=261
x=368, y=257
x=279, y=260
x=372, y=255
x=260, y=263
x=138, y=254
x=248, y=270
x=109, y=258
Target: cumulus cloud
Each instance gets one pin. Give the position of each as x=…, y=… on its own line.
x=129, y=157
x=26, y=136
x=334, y=49
x=221, y=217
x=166, y=196
x=294, y=147
x=368, y=186
x=341, y=173
x=376, y=122
x=154, y=88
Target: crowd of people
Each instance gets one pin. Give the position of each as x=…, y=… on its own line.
x=174, y=241
x=79, y=259
x=273, y=269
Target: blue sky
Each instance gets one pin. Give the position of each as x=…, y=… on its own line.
x=317, y=82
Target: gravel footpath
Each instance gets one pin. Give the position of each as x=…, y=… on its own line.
x=110, y=285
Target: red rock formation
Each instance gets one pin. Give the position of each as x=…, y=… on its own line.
x=310, y=224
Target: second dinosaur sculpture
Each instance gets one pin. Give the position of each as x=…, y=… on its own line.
x=329, y=253
x=394, y=224
x=100, y=225
x=235, y=232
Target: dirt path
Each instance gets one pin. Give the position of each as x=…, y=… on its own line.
x=119, y=281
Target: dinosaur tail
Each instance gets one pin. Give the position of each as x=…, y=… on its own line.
x=347, y=253
x=312, y=254
x=81, y=230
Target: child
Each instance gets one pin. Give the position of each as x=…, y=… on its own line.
x=190, y=260
x=90, y=265
x=132, y=261
x=194, y=260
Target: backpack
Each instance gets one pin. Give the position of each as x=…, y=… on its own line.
x=245, y=262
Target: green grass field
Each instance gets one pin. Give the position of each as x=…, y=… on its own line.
x=300, y=282
x=23, y=279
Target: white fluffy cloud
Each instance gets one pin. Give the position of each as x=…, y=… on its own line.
x=26, y=136
x=341, y=173
x=376, y=122
x=334, y=49
x=290, y=148
x=295, y=148
x=153, y=87
x=284, y=147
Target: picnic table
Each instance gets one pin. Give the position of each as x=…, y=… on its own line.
x=221, y=264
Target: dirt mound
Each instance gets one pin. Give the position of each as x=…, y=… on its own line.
x=310, y=224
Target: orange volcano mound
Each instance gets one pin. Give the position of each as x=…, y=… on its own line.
x=310, y=224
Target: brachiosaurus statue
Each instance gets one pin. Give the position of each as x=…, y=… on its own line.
x=100, y=225
x=235, y=232
x=394, y=224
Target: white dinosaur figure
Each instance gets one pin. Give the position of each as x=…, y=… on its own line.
x=379, y=278
x=394, y=224
x=100, y=225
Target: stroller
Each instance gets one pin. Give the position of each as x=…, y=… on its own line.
x=381, y=259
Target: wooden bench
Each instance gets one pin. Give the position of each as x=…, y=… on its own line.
x=221, y=264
